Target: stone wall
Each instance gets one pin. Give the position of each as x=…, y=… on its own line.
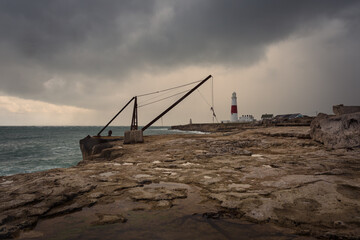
x=341, y=109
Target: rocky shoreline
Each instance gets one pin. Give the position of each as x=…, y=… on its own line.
x=273, y=176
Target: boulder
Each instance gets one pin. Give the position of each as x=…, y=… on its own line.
x=340, y=131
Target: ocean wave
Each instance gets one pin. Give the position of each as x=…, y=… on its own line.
x=190, y=132
x=158, y=129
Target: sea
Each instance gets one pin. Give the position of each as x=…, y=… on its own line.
x=26, y=149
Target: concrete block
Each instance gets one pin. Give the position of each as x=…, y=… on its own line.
x=133, y=136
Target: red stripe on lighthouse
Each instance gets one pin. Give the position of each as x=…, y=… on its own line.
x=233, y=109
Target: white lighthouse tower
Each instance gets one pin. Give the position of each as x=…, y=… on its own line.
x=234, y=113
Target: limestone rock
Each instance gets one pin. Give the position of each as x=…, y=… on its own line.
x=289, y=180
x=163, y=204
x=109, y=219
x=157, y=194
x=341, y=131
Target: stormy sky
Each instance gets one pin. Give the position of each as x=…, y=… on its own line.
x=68, y=62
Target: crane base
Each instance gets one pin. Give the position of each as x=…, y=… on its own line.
x=133, y=136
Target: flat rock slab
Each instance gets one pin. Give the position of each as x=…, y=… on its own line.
x=272, y=175
x=156, y=193
x=109, y=219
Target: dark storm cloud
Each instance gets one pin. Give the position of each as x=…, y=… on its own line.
x=68, y=34
x=96, y=40
x=232, y=31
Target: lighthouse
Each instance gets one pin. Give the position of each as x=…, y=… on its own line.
x=234, y=113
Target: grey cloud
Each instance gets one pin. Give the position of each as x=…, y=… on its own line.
x=109, y=40
x=218, y=31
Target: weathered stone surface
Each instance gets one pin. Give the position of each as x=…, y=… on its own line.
x=341, y=131
x=288, y=180
x=109, y=219
x=156, y=194
x=212, y=127
x=164, y=204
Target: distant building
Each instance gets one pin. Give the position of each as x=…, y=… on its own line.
x=246, y=118
x=267, y=116
x=288, y=116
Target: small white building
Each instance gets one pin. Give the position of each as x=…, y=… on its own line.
x=246, y=118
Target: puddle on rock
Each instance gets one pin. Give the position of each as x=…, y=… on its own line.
x=184, y=220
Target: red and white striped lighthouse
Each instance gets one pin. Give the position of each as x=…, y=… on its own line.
x=234, y=113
